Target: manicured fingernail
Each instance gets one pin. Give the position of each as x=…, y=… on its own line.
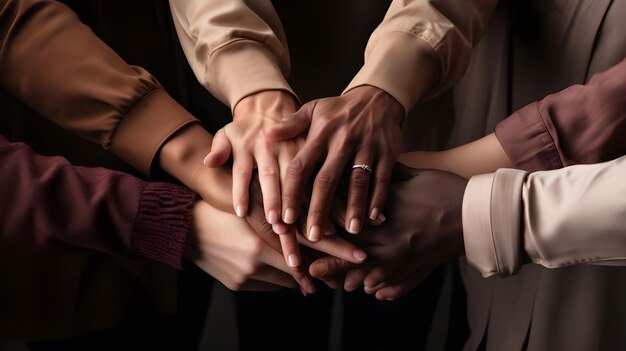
x=290, y=216
x=293, y=260
x=355, y=226
x=240, y=211
x=272, y=217
x=314, y=233
x=374, y=214
x=359, y=255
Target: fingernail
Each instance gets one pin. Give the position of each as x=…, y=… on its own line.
x=381, y=218
x=290, y=216
x=272, y=217
x=293, y=260
x=368, y=290
x=359, y=255
x=374, y=213
x=310, y=286
x=314, y=233
x=355, y=226
x=349, y=286
x=240, y=211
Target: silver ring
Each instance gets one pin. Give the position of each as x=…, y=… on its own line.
x=364, y=167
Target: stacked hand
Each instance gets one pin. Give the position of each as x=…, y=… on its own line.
x=423, y=230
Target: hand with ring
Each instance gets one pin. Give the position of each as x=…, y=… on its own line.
x=362, y=128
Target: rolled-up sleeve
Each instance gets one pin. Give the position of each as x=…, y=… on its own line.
x=58, y=67
x=422, y=33
x=236, y=48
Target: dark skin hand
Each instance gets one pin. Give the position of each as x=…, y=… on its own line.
x=423, y=230
x=360, y=127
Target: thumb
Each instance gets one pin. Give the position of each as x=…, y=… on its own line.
x=220, y=150
x=294, y=124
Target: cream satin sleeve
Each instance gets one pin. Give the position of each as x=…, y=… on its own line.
x=416, y=35
x=236, y=48
x=557, y=218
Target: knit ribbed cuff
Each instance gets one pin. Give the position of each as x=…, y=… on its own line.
x=163, y=223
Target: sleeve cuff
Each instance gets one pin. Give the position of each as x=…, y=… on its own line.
x=401, y=64
x=492, y=208
x=163, y=223
x=528, y=140
x=245, y=67
x=146, y=127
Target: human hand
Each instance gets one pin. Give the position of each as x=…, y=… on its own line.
x=331, y=245
x=360, y=127
x=245, y=139
x=228, y=249
x=423, y=230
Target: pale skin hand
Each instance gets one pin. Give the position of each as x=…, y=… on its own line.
x=246, y=140
x=228, y=249
x=181, y=156
x=360, y=127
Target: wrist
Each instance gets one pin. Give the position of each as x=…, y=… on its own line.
x=371, y=94
x=181, y=156
x=272, y=103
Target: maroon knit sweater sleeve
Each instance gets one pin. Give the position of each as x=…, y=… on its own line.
x=581, y=124
x=46, y=201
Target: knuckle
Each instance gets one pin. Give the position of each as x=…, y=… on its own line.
x=383, y=179
x=242, y=174
x=268, y=172
x=325, y=181
x=295, y=169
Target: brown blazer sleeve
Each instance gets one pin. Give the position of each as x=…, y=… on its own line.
x=57, y=66
x=579, y=125
x=47, y=201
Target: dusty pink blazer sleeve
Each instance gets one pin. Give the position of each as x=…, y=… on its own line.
x=581, y=124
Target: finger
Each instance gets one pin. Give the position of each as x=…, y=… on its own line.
x=329, y=267
x=255, y=285
x=242, y=172
x=358, y=189
x=382, y=179
x=269, y=179
x=400, y=288
x=272, y=257
x=321, y=199
x=291, y=251
x=338, y=247
x=220, y=150
x=354, y=278
x=296, y=176
x=294, y=125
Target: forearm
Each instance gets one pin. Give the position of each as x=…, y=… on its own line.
x=61, y=69
x=484, y=155
x=556, y=218
x=422, y=47
x=46, y=202
x=236, y=48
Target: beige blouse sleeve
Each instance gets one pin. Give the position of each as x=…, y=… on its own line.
x=557, y=218
x=236, y=48
x=412, y=35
